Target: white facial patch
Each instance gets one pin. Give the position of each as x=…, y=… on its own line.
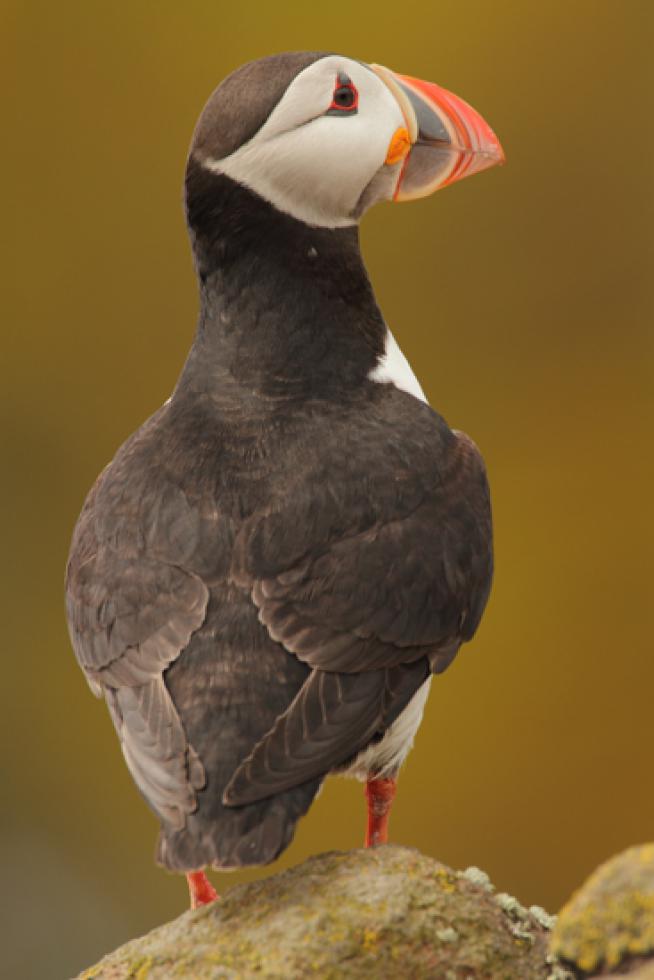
x=393, y=368
x=312, y=165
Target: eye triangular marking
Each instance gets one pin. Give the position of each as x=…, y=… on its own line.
x=345, y=100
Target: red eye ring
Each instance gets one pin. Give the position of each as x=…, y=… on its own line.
x=345, y=98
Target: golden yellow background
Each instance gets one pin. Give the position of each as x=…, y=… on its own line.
x=523, y=299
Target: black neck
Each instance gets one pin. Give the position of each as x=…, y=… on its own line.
x=287, y=310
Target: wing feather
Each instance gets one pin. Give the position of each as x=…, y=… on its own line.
x=130, y=616
x=393, y=592
x=155, y=748
x=332, y=717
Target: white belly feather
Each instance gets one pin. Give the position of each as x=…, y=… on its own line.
x=385, y=757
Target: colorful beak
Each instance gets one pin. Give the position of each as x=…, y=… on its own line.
x=449, y=139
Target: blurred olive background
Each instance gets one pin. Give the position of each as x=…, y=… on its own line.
x=523, y=299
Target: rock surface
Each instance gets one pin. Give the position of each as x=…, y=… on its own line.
x=384, y=913
x=607, y=927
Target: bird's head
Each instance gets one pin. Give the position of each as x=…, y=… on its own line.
x=323, y=137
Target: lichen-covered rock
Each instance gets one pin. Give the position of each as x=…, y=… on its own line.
x=384, y=913
x=608, y=924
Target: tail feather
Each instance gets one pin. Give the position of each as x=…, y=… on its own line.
x=238, y=836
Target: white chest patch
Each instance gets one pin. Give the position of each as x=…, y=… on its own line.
x=393, y=368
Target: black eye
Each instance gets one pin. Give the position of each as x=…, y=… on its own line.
x=345, y=98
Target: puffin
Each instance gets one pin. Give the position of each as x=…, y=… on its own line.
x=265, y=578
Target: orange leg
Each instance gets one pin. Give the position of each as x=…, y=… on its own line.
x=380, y=794
x=201, y=890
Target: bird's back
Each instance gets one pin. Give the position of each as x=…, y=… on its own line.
x=206, y=497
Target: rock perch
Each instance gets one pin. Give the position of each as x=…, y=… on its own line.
x=388, y=912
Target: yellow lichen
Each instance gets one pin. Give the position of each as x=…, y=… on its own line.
x=141, y=969
x=611, y=917
x=446, y=880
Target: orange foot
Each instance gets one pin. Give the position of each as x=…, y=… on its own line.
x=380, y=794
x=200, y=888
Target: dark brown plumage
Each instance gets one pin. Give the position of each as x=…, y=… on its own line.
x=273, y=564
